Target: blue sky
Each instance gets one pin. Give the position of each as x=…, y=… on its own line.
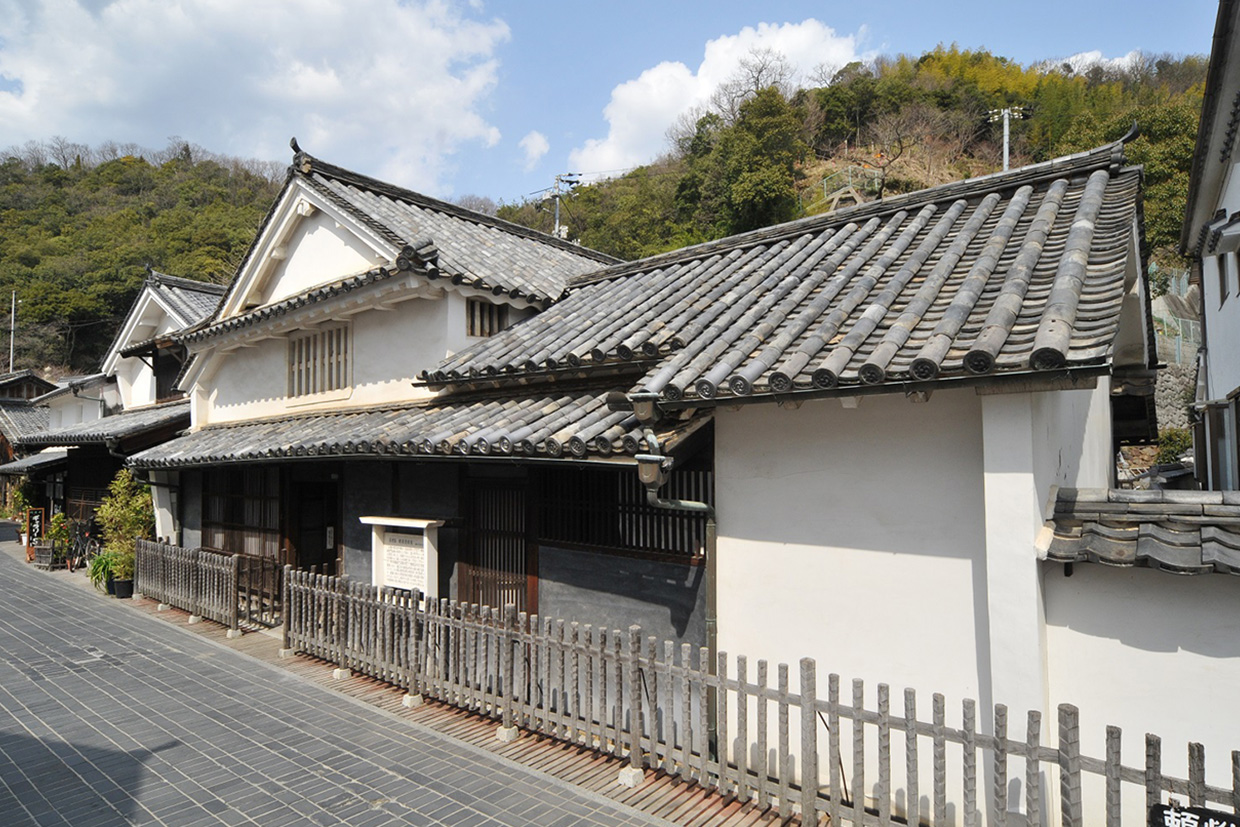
x=490, y=98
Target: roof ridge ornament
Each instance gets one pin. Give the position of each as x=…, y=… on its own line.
x=301, y=159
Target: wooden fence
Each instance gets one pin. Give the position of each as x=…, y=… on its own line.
x=741, y=733
x=210, y=583
x=201, y=581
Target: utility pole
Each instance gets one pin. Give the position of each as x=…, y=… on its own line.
x=564, y=182
x=1006, y=114
x=12, y=328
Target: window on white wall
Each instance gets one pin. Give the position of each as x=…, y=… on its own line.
x=320, y=361
x=484, y=318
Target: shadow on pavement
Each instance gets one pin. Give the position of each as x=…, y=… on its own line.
x=84, y=785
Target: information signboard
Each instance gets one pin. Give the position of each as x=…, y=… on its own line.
x=34, y=526
x=404, y=561
x=1163, y=815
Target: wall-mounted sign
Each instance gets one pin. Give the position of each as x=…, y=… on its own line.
x=1162, y=815
x=405, y=553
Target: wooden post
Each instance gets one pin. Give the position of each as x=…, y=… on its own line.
x=1111, y=770
x=1070, y=765
x=809, y=742
x=286, y=647
x=1153, y=770
x=1001, y=765
x=632, y=775
x=234, y=615
x=912, y=812
x=969, y=718
x=506, y=686
x=1033, y=768
x=1196, y=775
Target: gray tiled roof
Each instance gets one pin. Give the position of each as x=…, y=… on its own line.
x=42, y=461
x=19, y=375
x=567, y=425
x=120, y=426
x=1011, y=273
x=479, y=250
x=189, y=303
x=1183, y=532
x=20, y=418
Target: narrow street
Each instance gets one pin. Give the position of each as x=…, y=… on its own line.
x=109, y=717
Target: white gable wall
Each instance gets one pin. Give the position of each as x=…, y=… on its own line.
x=317, y=251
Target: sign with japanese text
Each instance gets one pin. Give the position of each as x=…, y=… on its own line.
x=1163, y=815
x=404, y=561
x=34, y=526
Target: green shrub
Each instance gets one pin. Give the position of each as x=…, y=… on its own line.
x=126, y=514
x=1174, y=443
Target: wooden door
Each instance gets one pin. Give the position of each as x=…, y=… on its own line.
x=314, y=509
x=497, y=561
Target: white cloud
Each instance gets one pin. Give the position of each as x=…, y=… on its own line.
x=391, y=87
x=535, y=146
x=641, y=110
x=1082, y=62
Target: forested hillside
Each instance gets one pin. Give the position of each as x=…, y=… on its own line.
x=79, y=226
x=765, y=152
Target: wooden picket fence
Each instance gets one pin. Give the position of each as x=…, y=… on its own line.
x=200, y=581
x=663, y=707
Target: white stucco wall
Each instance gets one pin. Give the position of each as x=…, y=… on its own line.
x=1222, y=325
x=1072, y=438
x=1148, y=652
x=318, y=251
x=855, y=536
x=389, y=348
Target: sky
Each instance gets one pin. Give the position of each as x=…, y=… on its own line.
x=483, y=98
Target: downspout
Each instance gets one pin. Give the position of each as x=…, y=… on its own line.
x=652, y=470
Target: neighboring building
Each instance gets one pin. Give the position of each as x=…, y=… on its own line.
x=23, y=384
x=94, y=422
x=1211, y=239
x=351, y=288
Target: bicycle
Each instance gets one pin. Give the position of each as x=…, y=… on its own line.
x=85, y=546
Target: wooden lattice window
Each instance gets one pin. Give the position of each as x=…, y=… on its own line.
x=606, y=509
x=320, y=361
x=241, y=510
x=484, y=318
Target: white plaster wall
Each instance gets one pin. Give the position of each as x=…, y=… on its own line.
x=1072, y=438
x=319, y=251
x=70, y=410
x=390, y=347
x=1222, y=324
x=855, y=537
x=136, y=382
x=1148, y=652
x=162, y=494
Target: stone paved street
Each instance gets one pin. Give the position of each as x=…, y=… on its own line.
x=109, y=717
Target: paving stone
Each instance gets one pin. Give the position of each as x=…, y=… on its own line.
x=177, y=731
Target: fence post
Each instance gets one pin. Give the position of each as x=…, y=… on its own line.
x=414, y=645
x=632, y=775
x=1153, y=771
x=286, y=646
x=809, y=742
x=234, y=614
x=195, y=598
x=1070, y=764
x=507, y=731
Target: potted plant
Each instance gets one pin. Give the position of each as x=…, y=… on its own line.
x=126, y=514
x=100, y=572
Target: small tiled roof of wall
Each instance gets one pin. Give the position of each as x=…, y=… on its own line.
x=1183, y=532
